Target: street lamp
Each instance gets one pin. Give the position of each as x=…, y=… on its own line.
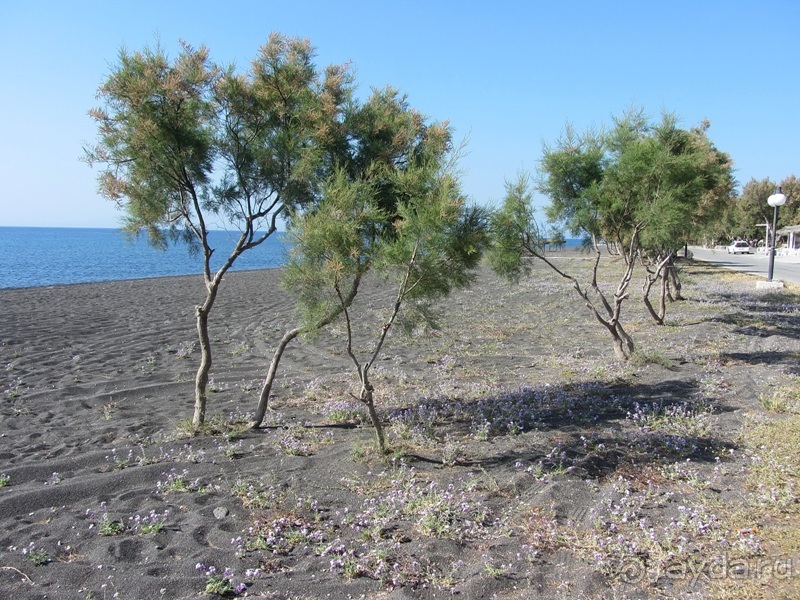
x=775, y=200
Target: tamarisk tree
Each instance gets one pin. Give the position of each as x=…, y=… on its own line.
x=384, y=137
x=186, y=144
x=695, y=184
x=635, y=189
x=422, y=244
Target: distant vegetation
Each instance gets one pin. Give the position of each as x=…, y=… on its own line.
x=748, y=216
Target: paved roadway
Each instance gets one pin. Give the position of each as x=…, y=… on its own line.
x=787, y=268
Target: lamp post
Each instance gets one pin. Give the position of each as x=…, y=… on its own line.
x=775, y=200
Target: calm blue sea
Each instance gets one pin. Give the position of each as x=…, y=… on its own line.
x=39, y=256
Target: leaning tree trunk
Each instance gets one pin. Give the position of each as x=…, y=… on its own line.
x=626, y=346
x=657, y=316
x=662, y=306
x=668, y=290
x=201, y=378
x=245, y=242
x=367, y=391
x=266, y=389
x=212, y=287
x=627, y=340
x=621, y=341
x=263, y=400
x=661, y=275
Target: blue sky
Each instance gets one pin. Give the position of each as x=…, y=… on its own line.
x=507, y=75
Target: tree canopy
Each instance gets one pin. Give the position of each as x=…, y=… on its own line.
x=412, y=228
x=186, y=144
x=650, y=184
x=638, y=188
x=386, y=149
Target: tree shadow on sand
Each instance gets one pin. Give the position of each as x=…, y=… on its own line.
x=789, y=361
x=760, y=315
x=590, y=430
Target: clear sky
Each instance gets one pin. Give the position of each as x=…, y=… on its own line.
x=507, y=75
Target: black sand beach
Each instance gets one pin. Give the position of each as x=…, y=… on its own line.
x=527, y=462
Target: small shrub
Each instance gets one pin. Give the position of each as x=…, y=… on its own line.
x=152, y=522
x=109, y=527
x=220, y=584
x=229, y=448
x=292, y=442
x=217, y=387
x=185, y=350
x=38, y=556
x=452, y=452
x=16, y=389
x=108, y=410
x=346, y=411
x=174, y=482
x=239, y=348
x=254, y=494
x=642, y=358
x=493, y=569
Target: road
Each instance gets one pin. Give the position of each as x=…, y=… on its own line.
x=787, y=268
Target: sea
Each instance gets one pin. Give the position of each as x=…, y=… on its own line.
x=43, y=256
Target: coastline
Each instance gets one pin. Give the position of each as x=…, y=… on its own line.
x=569, y=252
x=144, y=278
x=36, y=257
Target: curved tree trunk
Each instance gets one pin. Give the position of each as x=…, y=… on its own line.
x=266, y=389
x=621, y=341
x=661, y=274
x=662, y=307
x=619, y=348
x=201, y=379
x=366, y=396
x=212, y=287
x=627, y=340
x=648, y=285
x=263, y=400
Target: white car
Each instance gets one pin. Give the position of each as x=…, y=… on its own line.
x=739, y=248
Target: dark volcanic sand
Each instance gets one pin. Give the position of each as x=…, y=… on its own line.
x=97, y=378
